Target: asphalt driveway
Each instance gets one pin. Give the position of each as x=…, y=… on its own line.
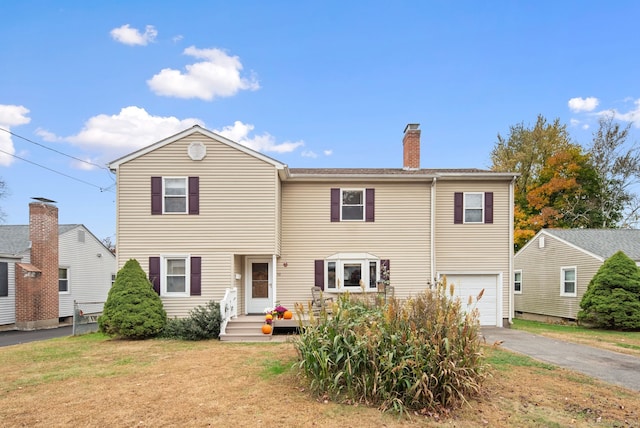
x=15, y=337
x=612, y=367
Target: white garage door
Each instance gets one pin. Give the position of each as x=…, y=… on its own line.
x=471, y=285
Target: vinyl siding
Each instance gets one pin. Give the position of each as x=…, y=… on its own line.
x=541, y=277
x=474, y=248
x=8, y=303
x=238, y=214
x=89, y=275
x=400, y=233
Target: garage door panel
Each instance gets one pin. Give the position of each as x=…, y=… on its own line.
x=472, y=285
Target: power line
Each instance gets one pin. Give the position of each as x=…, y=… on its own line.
x=49, y=148
x=102, y=189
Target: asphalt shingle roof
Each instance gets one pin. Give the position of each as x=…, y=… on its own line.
x=15, y=239
x=602, y=242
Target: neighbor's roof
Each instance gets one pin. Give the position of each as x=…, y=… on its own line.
x=602, y=242
x=15, y=239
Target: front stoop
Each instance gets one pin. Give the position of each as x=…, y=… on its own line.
x=248, y=328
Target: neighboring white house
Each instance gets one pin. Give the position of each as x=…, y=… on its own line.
x=85, y=271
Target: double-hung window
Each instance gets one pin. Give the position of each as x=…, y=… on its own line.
x=63, y=280
x=352, y=205
x=568, y=281
x=517, y=282
x=175, y=194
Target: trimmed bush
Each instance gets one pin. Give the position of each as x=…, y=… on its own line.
x=612, y=299
x=133, y=310
x=203, y=323
x=423, y=354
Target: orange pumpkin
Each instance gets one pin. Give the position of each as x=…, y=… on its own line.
x=288, y=315
x=266, y=328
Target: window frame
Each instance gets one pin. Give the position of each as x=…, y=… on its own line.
x=164, y=259
x=67, y=279
x=336, y=264
x=563, y=281
x=185, y=196
x=465, y=207
x=516, y=281
x=363, y=204
x=4, y=279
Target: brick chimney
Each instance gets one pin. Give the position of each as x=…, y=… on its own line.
x=411, y=145
x=37, y=281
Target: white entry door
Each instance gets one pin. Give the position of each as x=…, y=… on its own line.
x=259, y=285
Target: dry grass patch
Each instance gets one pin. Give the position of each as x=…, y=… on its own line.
x=92, y=381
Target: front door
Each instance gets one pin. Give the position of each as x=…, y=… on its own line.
x=259, y=288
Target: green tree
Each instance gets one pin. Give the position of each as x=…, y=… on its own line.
x=618, y=167
x=133, y=310
x=612, y=299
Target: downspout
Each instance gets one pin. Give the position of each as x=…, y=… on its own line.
x=433, y=229
x=511, y=226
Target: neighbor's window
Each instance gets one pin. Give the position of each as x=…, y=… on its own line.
x=352, y=204
x=517, y=282
x=63, y=280
x=568, y=280
x=473, y=207
x=113, y=279
x=175, y=195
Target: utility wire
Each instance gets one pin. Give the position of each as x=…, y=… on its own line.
x=102, y=189
x=49, y=148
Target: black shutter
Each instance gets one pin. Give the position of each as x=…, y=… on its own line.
x=488, y=207
x=156, y=195
x=335, y=204
x=370, y=200
x=194, y=195
x=319, y=274
x=196, y=289
x=154, y=273
x=4, y=279
x=458, y=207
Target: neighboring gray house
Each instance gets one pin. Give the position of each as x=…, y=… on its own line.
x=82, y=269
x=553, y=270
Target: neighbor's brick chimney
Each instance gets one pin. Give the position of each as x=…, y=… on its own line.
x=37, y=292
x=411, y=144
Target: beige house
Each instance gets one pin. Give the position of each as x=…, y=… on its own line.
x=204, y=215
x=553, y=270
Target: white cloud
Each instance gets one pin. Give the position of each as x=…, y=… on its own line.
x=632, y=115
x=583, y=104
x=132, y=36
x=116, y=135
x=585, y=126
x=308, y=154
x=217, y=76
x=177, y=38
x=10, y=115
x=239, y=132
x=328, y=152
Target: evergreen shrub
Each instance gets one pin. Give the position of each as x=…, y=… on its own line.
x=133, y=310
x=612, y=299
x=202, y=323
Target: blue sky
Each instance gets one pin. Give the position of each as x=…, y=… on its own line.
x=312, y=84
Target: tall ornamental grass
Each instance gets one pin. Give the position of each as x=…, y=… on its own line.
x=421, y=354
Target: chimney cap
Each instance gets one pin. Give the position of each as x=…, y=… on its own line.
x=411, y=127
x=44, y=200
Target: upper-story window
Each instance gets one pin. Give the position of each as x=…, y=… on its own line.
x=352, y=205
x=473, y=207
x=175, y=195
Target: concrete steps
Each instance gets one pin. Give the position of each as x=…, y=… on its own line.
x=248, y=328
